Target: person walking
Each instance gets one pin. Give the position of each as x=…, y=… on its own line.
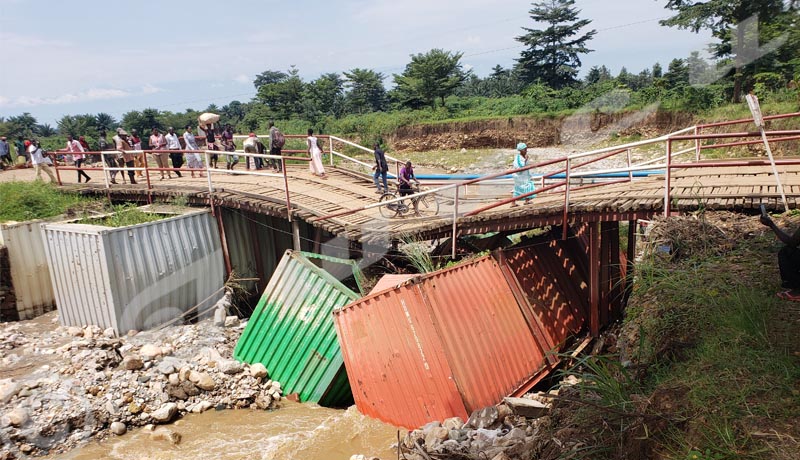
x=122, y=142
x=275, y=146
x=192, y=158
x=229, y=146
x=158, y=142
x=39, y=161
x=211, y=144
x=5, y=153
x=76, y=149
x=22, y=151
x=314, y=152
x=381, y=168
x=173, y=143
x=253, y=145
x=109, y=158
x=522, y=179
x=139, y=158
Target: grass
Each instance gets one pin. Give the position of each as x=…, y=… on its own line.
x=23, y=201
x=123, y=215
x=713, y=372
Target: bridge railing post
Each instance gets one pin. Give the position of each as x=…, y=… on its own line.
x=564, y=222
x=330, y=146
x=696, y=144
x=455, y=223
x=630, y=165
x=667, y=178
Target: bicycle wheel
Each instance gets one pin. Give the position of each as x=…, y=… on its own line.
x=428, y=205
x=390, y=210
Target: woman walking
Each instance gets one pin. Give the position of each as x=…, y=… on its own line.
x=315, y=165
x=159, y=142
x=522, y=179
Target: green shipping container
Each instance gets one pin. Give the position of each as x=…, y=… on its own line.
x=291, y=331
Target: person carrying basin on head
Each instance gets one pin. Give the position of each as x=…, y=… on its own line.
x=522, y=179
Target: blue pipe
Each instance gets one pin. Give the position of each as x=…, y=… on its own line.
x=461, y=177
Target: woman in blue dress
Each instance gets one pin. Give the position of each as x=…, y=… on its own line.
x=522, y=179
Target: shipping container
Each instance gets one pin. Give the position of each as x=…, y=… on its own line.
x=441, y=345
x=291, y=331
x=135, y=277
x=30, y=274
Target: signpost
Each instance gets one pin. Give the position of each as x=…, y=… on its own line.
x=758, y=119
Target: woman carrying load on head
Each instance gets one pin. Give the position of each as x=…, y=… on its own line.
x=522, y=179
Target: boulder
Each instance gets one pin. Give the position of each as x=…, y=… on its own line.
x=165, y=434
x=75, y=331
x=202, y=380
x=454, y=423
x=525, y=407
x=9, y=389
x=220, y=313
x=150, y=351
x=230, y=367
x=165, y=413
x=132, y=363
x=436, y=436
x=119, y=428
x=483, y=418
x=231, y=321
x=202, y=406
x=17, y=417
x=109, y=333
x=258, y=371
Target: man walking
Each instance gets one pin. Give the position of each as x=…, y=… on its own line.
x=76, y=149
x=122, y=142
x=19, y=145
x=381, y=168
x=38, y=160
x=253, y=145
x=5, y=153
x=173, y=143
x=274, y=147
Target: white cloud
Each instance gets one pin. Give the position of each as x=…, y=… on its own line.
x=150, y=89
x=92, y=94
x=242, y=78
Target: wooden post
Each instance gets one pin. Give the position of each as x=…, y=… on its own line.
x=225, y=253
x=296, y=234
x=594, y=278
x=605, y=272
x=615, y=272
x=262, y=277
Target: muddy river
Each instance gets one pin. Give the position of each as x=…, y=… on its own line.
x=295, y=431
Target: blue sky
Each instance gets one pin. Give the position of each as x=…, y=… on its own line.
x=88, y=56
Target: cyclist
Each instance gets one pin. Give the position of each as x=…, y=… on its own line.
x=405, y=188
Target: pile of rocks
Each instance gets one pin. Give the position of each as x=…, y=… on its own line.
x=94, y=383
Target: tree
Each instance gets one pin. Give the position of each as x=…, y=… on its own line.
x=677, y=74
x=284, y=97
x=553, y=53
x=46, y=130
x=719, y=16
x=658, y=72
x=268, y=77
x=598, y=75
x=233, y=112
x=22, y=125
x=324, y=96
x=432, y=75
x=365, y=91
x=105, y=122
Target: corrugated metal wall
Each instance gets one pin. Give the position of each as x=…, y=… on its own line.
x=30, y=274
x=291, y=330
x=135, y=277
x=443, y=345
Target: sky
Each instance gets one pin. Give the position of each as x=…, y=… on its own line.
x=89, y=56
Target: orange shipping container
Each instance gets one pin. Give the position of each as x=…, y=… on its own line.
x=441, y=345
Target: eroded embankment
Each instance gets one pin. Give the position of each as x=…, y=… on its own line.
x=541, y=131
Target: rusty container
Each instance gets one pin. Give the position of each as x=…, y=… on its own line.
x=440, y=345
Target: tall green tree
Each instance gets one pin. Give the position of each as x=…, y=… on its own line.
x=430, y=76
x=324, y=96
x=553, y=53
x=719, y=17
x=283, y=97
x=105, y=122
x=365, y=91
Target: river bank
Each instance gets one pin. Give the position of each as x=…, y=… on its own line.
x=62, y=386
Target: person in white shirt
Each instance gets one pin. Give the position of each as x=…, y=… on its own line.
x=193, y=159
x=76, y=149
x=173, y=143
x=39, y=161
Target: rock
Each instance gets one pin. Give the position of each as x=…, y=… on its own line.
x=176, y=391
x=17, y=417
x=202, y=406
x=230, y=367
x=109, y=333
x=26, y=448
x=454, y=423
x=150, y=351
x=436, y=436
x=119, y=428
x=166, y=367
x=276, y=386
x=183, y=374
x=501, y=456
x=173, y=379
x=219, y=316
x=75, y=331
x=463, y=150
x=165, y=413
x=483, y=418
x=132, y=363
x=231, y=321
x=9, y=389
x=529, y=408
x=515, y=436
x=143, y=378
x=165, y=434
x=457, y=435
x=258, y=371
x=111, y=408
x=263, y=401
x=202, y=380
x=134, y=408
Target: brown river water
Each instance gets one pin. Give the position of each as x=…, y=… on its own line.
x=295, y=431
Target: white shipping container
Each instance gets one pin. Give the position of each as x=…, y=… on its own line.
x=135, y=277
x=30, y=274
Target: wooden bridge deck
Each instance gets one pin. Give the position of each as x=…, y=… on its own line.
x=732, y=188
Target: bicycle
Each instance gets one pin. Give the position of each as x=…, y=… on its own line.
x=425, y=205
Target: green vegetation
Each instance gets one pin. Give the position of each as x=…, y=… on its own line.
x=710, y=357
x=23, y=201
x=123, y=215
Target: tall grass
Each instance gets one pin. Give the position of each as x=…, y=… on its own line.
x=20, y=201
